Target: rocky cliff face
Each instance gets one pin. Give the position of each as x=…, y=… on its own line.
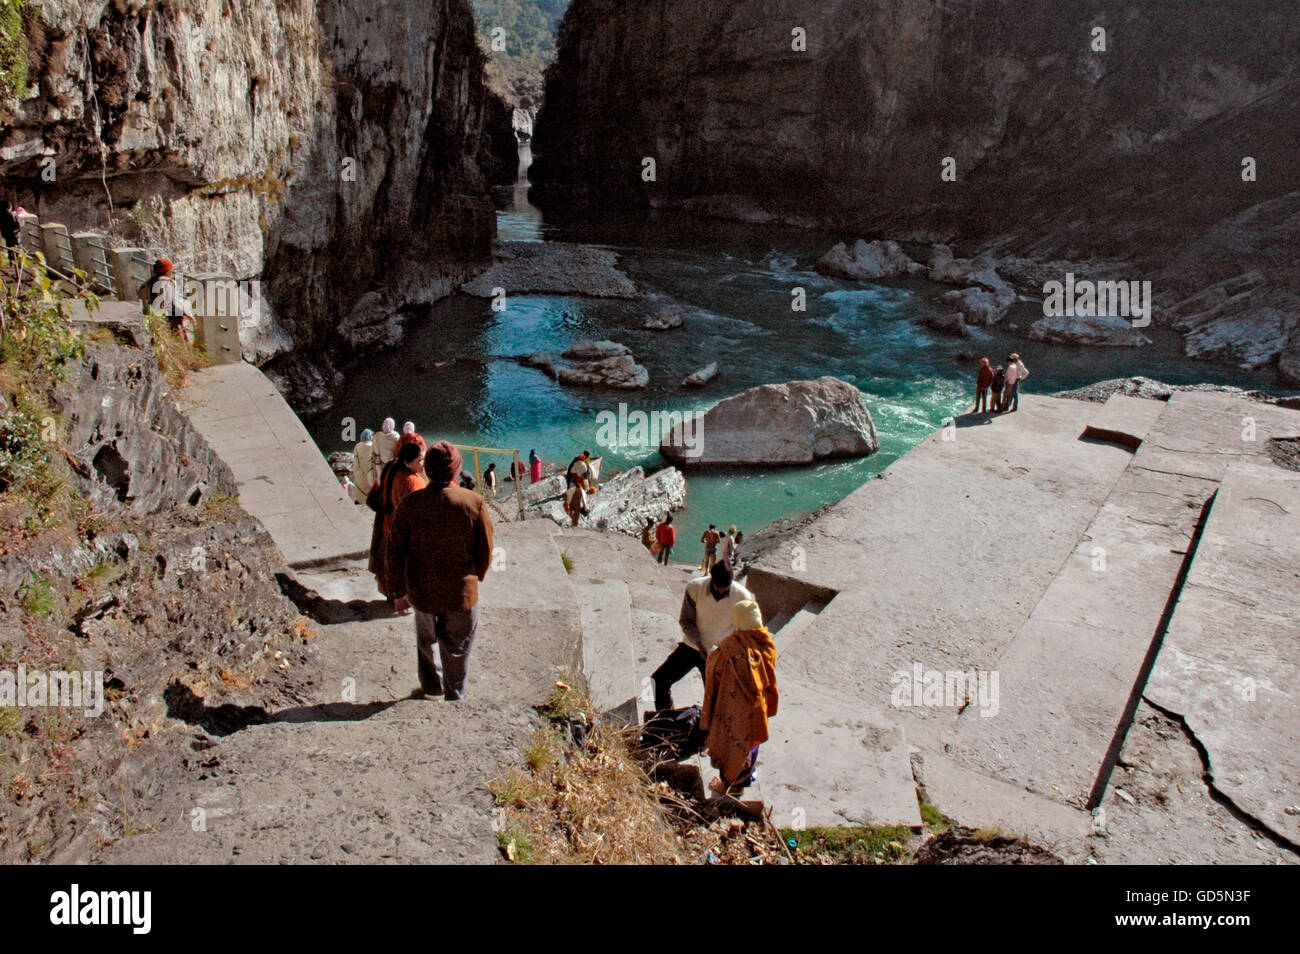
x=1060, y=149
x=334, y=148
x=165, y=586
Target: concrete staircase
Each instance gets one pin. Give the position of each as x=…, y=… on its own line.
x=361, y=772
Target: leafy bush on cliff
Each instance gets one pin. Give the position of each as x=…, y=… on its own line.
x=13, y=57
x=38, y=343
x=529, y=37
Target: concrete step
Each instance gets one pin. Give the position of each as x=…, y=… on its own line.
x=791, y=629
x=655, y=636
x=978, y=801
x=1123, y=420
x=608, y=656
x=384, y=788
x=283, y=479
x=832, y=761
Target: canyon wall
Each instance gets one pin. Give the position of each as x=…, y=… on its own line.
x=336, y=149
x=1060, y=149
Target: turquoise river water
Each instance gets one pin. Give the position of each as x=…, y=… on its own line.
x=734, y=283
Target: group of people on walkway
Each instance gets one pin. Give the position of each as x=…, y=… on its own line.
x=998, y=389
x=430, y=547
x=660, y=539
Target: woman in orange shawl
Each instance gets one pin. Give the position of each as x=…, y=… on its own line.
x=739, y=697
x=402, y=476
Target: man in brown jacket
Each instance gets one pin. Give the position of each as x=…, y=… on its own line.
x=441, y=547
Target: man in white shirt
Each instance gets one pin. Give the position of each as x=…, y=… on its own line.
x=706, y=620
x=1016, y=372
x=728, y=548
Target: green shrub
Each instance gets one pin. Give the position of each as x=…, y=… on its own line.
x=13, y=57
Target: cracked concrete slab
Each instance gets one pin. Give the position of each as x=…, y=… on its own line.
x=1230, y=664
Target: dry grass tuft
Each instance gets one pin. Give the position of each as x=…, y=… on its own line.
x=582, y=797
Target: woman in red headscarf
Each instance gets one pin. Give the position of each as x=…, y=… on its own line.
x=983, y=381
x=402, y=476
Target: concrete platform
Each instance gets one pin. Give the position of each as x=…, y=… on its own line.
x=1067, y=677
x=283, y=479
x=1230, y=663
x=972, y=799
x=1026, y=547
x=941, y=560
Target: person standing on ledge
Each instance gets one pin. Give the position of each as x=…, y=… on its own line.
x=363, y=464
x=706, y=620
x=11, y=232
x=728, y=548
x=162, y=295
x=402, y=477
x=439, y=552
x=1016, y=372
x=666, y=537
x=710, y=540
x=648, y=534
x=983, y=381
x=534, y=467
x=386, y=442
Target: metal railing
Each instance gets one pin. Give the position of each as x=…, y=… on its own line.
x=516, y=471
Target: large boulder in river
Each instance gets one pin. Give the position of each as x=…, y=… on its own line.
x=868, y=261
x=602, y=364
x=777, y=425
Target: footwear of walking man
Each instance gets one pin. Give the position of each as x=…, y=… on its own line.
x=440, y=550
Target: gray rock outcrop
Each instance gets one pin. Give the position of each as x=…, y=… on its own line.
x=705, y=375
x=952, y=323
x=621, y=504
x=602, y=364
x=335, y=150
x=664, y=318
x=772, y=425
x=554, y=268
x=868, y=261
x=1100, y=331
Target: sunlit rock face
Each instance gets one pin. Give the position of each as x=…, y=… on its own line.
x=335, y=149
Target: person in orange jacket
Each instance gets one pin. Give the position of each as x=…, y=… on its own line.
x=740, y=695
